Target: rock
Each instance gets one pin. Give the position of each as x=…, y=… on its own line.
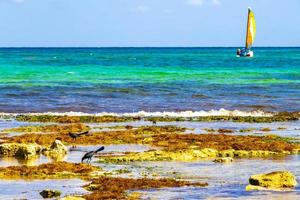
x=161, y=155
x=211, y=153
x=295, y=151
x=223, y=160
x=134, y=196
x=57, y=150
x=241, y=154
x=274, y=181
x=254, y=187
x=72, y=198
x=50, y=193
x=246, y=154
x=227, y=153
x=91, y=187
x=25, y=151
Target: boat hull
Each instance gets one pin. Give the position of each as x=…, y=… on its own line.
x=246, y=54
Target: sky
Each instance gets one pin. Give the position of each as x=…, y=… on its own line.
x=146, y=23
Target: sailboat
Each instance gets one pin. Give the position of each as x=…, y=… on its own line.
x=250, y=36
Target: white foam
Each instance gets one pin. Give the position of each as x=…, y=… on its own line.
x=185, y=114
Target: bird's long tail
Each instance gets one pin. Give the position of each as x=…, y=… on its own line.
x=100, y=149
x=86, y=132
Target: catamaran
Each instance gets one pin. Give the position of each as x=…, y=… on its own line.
x=250, y=36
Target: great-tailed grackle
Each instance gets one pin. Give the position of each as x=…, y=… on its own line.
x=76, y=135
x=89, y=155
x=153, y=122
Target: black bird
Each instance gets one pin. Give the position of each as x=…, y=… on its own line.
x=76, y=135
x=89, y=155
x=153, y=122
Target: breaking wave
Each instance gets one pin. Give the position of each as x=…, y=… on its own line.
x=185, y=114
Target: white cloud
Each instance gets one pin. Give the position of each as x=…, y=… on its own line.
x=216, y=2
x=202, y=2
x=18, y=1
x=195, y=2
x=141, y=9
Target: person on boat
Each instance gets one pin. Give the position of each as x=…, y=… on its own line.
x=238, y=52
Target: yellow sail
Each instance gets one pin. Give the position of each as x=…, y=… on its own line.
x=251, y=29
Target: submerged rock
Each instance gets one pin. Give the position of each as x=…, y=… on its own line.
x=25, y=151
x=57, y=150
x=223, y=160
x=50, y=193
x=272, y=181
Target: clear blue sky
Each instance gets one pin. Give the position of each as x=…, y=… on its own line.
x=146, y=22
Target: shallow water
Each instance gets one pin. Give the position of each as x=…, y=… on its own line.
x=74, y=155
x=284, y=129
x=22, y=189
x=226, y=181
x=11, y=123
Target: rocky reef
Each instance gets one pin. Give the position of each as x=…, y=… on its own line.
x=115, y=188
x=273, y=117
x=128, y=136
x=221, y=142
x=170, y=143
x=74, y=119
x=56, y=128
x=161, y=155
x=170, y=138
x=24, y=151
x=56, y=151
x=188, y=155
x=57, y=170
x=279, y=180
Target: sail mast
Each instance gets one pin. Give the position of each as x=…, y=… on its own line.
x=248, y=26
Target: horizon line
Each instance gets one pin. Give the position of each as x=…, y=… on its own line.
x=99, y=47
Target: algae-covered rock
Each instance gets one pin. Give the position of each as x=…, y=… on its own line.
x=57, y=150
x=134, y=196
x=274, y=181
x=25, y=151
x=50, y=193
x=53, y=170
x=211, y=153
x=161, y=155
x=295, y=151
x=227, y=153
x=246, y=154
x=241, y=153
x=223, y=160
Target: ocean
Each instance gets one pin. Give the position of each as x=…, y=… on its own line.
x=128, y=80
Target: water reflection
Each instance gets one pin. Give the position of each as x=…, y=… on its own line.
x=22, y=189
x=74, y=155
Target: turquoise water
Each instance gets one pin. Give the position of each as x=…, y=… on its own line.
x=150, y=79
